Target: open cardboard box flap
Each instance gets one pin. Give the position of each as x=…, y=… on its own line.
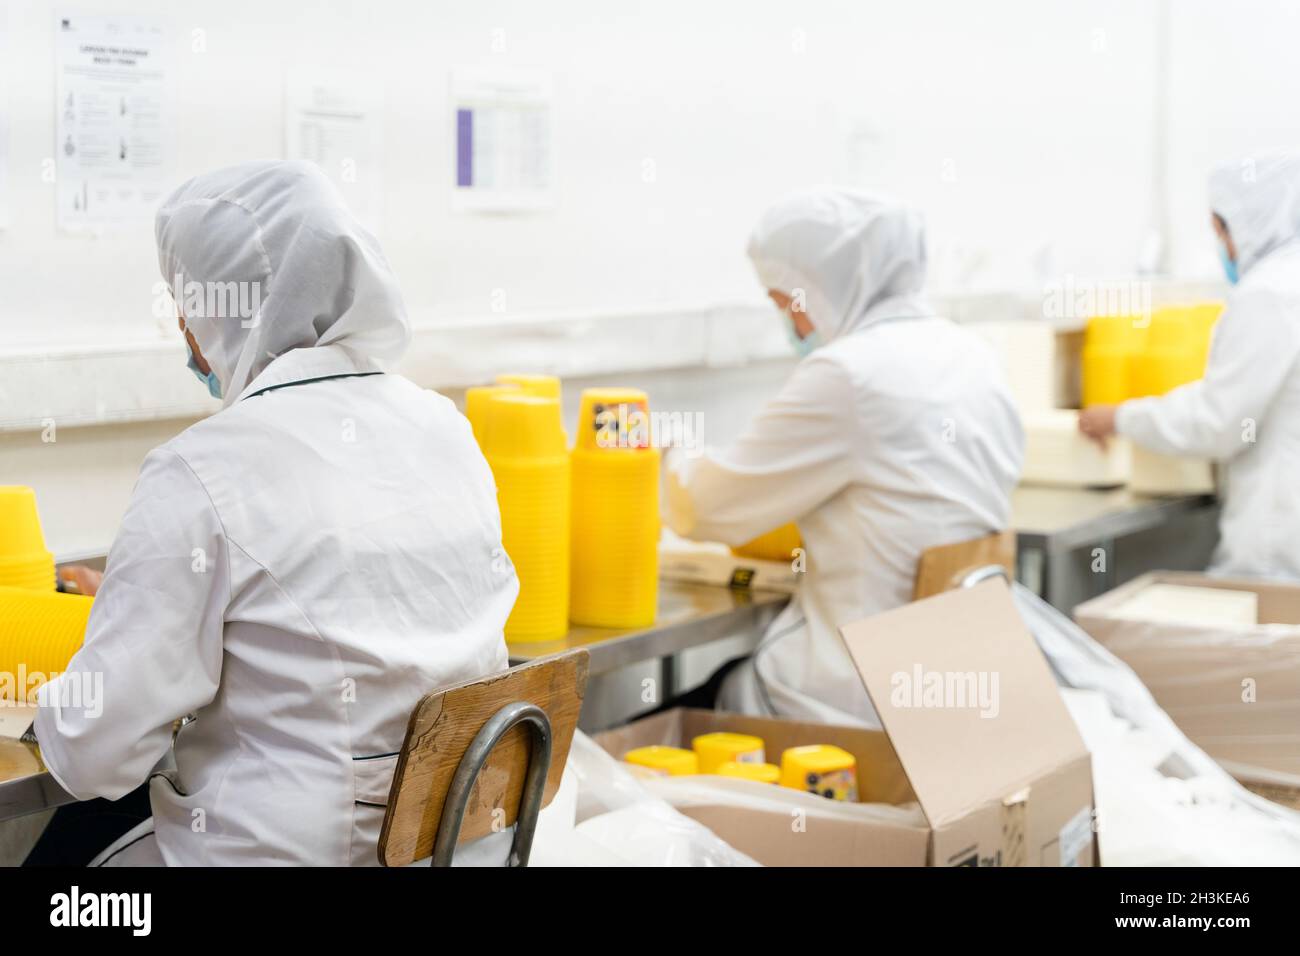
x=965, y=696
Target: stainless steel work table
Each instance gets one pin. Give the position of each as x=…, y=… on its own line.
x=1058, y=529
x=690, y=615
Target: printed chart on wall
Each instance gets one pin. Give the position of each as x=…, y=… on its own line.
x=332, y=119
x=109, y=126
x=504, y=139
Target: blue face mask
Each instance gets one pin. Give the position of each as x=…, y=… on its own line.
x=210, y=380
x=1229, y=266
x=804, y=346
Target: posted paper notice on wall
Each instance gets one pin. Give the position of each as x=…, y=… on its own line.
x=504, y=140
x=109, y=127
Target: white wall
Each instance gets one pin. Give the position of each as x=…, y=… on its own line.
x=1027, y=131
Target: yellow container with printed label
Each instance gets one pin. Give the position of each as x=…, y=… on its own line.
x=719, y=748
x=823, y=769
x=667, y=761
x=615, y=500
x=758, y=772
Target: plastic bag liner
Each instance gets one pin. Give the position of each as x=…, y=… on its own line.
x=1160, y=798
x=603, y=816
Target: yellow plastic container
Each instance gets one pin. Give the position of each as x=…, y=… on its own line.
x=1173, y=354
x=25, y=561
x=544, y=386
x=523, y=441
x=476, y=405
x=668, y=761
x=1111, y=343
x=615, y=517
x=718, y=748
x=39, y=633
x=778, y=544
x=822, y=769
x=760, y=772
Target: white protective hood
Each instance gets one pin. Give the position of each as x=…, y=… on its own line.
x=859, y=258
x=1259, y=198
x=282, y=230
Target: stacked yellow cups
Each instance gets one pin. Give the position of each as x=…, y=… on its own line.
x=476, y=406
x=39, y=633
x=25, y=562
x=524, y=443
x=615, y=512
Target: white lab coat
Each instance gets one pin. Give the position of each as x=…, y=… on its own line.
x=898, y=435
x=1245, y=412
x=296, y=570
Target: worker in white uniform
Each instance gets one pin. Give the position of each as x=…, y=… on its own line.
x=297, y=570
x=1245, y=412
x=896, y=433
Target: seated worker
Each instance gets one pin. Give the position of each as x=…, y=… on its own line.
x=1245, y=412
x=297, y=570
x=896, y=433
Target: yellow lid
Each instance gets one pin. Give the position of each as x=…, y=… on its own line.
x=673, y=761
x=516, y=425
x=614, y=419
x=718, y=748
x=761, y=772
x=543, y=386
x=802, y=767
x=476, y=400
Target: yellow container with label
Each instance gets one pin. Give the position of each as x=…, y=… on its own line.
x=39, y=633
x=759, y=772
x=668, y=761
x=719, y=748
x=778, y=544
x=615, y=501
x=823, y=769
x=544, y=386
x=524, y=443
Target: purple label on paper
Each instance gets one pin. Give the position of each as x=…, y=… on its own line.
x=464, y=147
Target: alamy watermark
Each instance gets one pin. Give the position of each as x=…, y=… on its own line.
x=212, y=300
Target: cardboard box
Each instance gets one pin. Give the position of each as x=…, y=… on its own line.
x=1057, y=454
x=1003, y=779
x=1235, y=691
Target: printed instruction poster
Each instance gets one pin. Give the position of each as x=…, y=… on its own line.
x=332, y=119
x=110, y=102
x=504, y=140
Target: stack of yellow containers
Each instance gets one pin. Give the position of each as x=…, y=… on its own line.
x=25, y=562
x=1110, y=344
x=522, y=437
x=615, y=512
x=39, y=633
x=1175, y=351
x=1132, y=357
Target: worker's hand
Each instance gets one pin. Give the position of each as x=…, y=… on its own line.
x=85, y=580
x=1098, y=423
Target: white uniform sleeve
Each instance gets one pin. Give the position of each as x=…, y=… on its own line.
x=1256, y=343
x=795, y=455
x=153, y=647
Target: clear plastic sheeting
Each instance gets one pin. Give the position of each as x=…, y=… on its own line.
x=1161, y=800
x=603, y=816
